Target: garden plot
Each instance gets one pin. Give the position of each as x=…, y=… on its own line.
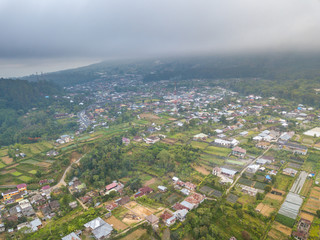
x=117, y=224
x=290, y=207
x=274, y=197
x=232, y=198
x=201, y=169
x=135, y=235
x=265, y=209
x=298, y=184
x=313, y=203
x=294, y=165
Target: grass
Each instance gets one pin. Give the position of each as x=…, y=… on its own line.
x=30, y=161
x=306, y=187
x=245, y=181
x=260, y=185
x=200, y=145
x=2, y=165
x=283, y=182
x=16, y=173
x=211, y=160
x=236, y=162
x=219, y=151
x=25, y=178
x=33, y=172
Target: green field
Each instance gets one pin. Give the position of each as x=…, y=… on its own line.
x=236, y=162
x=16, y=173
x=219, y=151
x=211, y=160
x=25, y=178
x=283, y=182
x=32, y=172
x=30, y=161
x=2, y=165
x=289, y=222
x=200, y=145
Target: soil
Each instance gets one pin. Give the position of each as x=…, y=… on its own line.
x=75, y=156
x=306, y=216
x=142, y=211
x=282, y=228
x=135, y=235
x=151, y=181
x=169, y=140
x=117, y=224
x=275, y=197
x=7, y=160
x=264, y=209
x=201, y=169
x=8, y=171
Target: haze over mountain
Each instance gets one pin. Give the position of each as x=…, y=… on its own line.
x=53, y=35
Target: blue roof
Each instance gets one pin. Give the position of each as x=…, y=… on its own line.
x=268, y=177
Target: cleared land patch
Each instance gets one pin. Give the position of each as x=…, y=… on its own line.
x=264, y=209
x=117, y=224
x=135, y=235
x=7, y=160
x=219, y=151
x=201, y=169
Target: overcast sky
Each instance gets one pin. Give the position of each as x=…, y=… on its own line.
x=49, y=35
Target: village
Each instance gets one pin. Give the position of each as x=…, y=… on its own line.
x=259, y=154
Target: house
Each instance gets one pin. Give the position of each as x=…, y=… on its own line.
x=152, y=139
x=125, y=141
x=35, y=224
x=289, y=171
x=295, y=148
x=187, y=205
x=165, y=215
x=239, y=152
x=52, y=153
x=152, y=219
x=114, y=186
x=303, y=228
x=253, y=168
x=170, y=221
x=123, y=200
x=226, y=143
x=195, y=199
x=179, y=206
x=190, y=186
x=175, y=179
x=263, y=145
x=162, y=188
x=137, y=139
x=200, y=136
x=2, y=227
x=224, y=171
x=249, y=190
x=54, y=205
x=21, y=188
x=111, y=206
x=268, y=159
x=181, y=214
x=185, y=191
x=99, y=228
x=45, y=209
x=73, y=204
x=143, y=191
x=71, y=236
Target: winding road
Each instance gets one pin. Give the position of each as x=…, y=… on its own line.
x=62, y=180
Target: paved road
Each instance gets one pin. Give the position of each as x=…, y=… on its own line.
x=245, y=168
x=62, y=182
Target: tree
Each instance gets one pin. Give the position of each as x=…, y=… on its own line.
x=318, y=213
x=267, y=188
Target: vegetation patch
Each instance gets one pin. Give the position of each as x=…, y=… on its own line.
x=32, y=171
x=260, y=185
x=289, y=222
x=2, y=165
x=16, y=173
x=219, y=151
x=246, y=181
x=200, y=145
x=25, y=178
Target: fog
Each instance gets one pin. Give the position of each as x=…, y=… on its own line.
x=42, y=36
